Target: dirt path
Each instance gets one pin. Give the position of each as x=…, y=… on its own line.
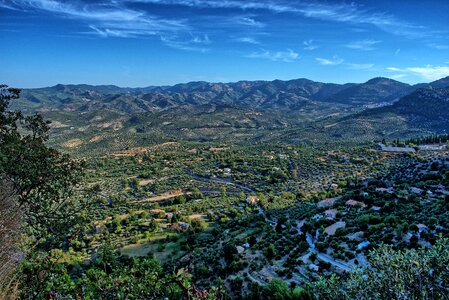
x=332, y=261
x=163, y=197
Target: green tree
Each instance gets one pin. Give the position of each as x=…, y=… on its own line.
x=41, y=184
x=41, y=179
x=279, y=290
x=404, y=274
x=198, y=224
x=269, y=251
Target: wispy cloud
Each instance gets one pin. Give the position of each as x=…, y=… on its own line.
x=7, y=6
x=247, y=21
x=329, y=62
x=284, y=56
x=398, y=76
x=360, y=66
x=192, y=43
x=105, y=19
x=438, y=46
x=365, y=45
x=309, y=45
x=109, y=16
x=428, y=72
x=336, y=12
x=248, y=40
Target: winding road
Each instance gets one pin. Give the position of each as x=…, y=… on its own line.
x=310, y=239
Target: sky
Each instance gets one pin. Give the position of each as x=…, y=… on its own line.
x=138, y=43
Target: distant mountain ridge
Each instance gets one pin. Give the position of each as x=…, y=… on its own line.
x=88, y=118
x=277, y=94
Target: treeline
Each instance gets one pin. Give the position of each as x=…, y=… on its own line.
x=431, y=139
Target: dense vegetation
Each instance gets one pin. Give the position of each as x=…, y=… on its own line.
x=160, y=216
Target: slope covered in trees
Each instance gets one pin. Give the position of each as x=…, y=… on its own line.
x=182, y=220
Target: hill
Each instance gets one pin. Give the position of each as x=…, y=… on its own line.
x=375, y=91
x=424, y=110
x=88, y=118
x=277, y=94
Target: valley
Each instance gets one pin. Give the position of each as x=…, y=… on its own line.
x=244, y=195
x=95, y=118
x=224, y=150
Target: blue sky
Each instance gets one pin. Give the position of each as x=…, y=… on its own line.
x=161, y=42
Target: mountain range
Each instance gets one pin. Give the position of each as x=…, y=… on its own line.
x=289, y=111
x=277, y=94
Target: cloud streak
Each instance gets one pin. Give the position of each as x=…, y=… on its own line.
x=248, y=40
x=428, y=72
x=360, y=66
x=193, y=43
x=309, y=45
x=365, y=45
x=330, y=62
x=283, y=56
x=247, y=21
x=339, y=12
x=109, y=19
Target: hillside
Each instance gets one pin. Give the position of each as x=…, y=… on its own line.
x=375, y=91
x=425, y=109
x=89, y=118
x=277, y=94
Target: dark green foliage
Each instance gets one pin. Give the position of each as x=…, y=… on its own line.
x=407, y=274
x=151, y=196
x=106, y=277
x=43, y=179
x=279, y=290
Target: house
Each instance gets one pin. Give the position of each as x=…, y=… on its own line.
x=434, y=147
x=354, y=203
